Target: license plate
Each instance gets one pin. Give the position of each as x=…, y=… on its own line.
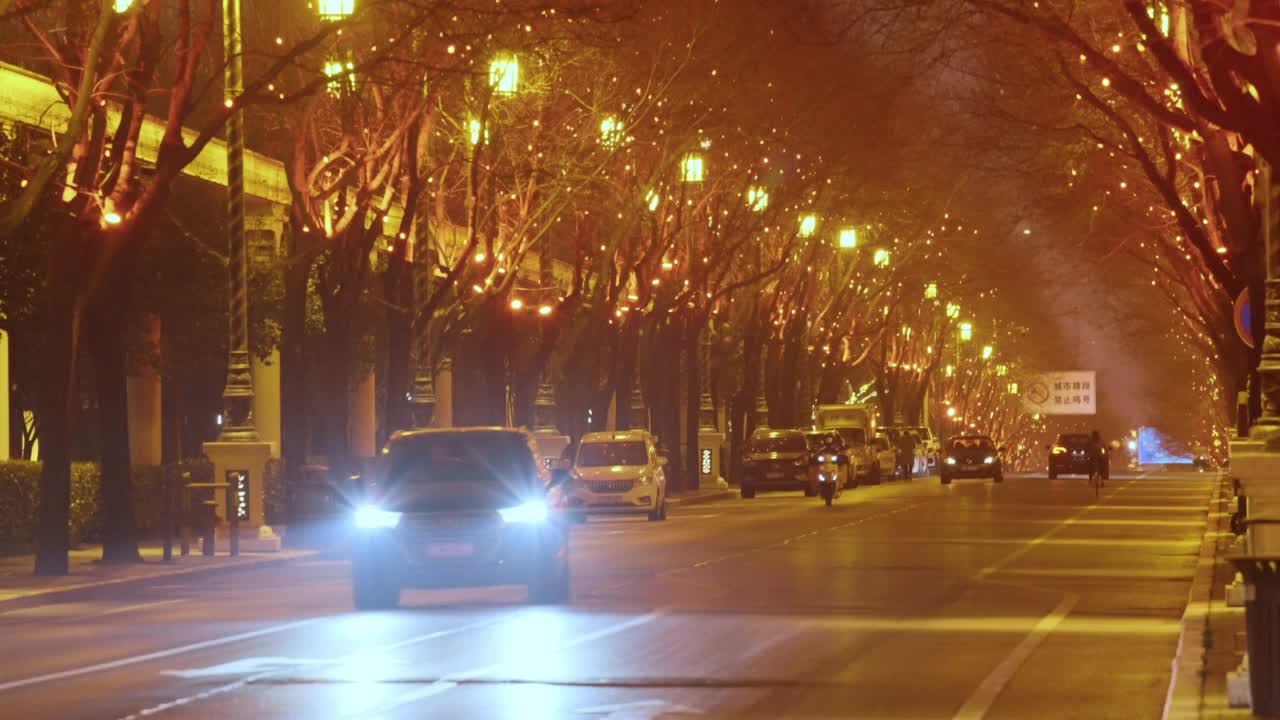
x=970, y=467
x=773, y=475
x=450, y=550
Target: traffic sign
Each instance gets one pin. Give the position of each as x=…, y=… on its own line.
x=1244, y=318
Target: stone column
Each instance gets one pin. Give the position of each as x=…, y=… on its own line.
x=443, y=417
x=143, y=392
x=266, y=400
x=639, y=413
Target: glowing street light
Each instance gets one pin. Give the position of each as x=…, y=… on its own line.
x=610, y=132
x=1002, y=370
x=848, y=238
x=517, y=304
x=949, y=370
x=931, y=291
x=951, y=412
x=987, y=350
x=808, y=225
x=1013, y=388
x=880, y=258
x=334, y=70
x=544, y=310
x=953, y=311
x=757, y=199
x=691, y=168
x=651, y=199
x=123, y=5
x=504, y=74
x=966, y=331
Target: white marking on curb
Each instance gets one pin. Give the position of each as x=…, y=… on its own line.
x=976, y=707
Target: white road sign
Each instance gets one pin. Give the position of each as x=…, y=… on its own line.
x=1067, y=392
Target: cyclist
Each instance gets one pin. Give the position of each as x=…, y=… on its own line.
x=1098, y=458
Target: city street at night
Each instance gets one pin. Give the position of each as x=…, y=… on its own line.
x=903, y=600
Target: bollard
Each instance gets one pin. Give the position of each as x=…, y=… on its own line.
x=167, y=499
x=207, y=540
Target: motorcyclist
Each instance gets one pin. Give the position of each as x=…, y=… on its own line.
x=1098, y=456
x=906, y=453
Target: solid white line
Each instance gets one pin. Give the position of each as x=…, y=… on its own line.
x=451, y=680
x=976, y=707
x=147, y=657
x=250, y=679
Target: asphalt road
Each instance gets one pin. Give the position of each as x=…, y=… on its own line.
x=907, y=600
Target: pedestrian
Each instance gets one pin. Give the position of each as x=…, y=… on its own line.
x=1098, y=456
x=906, y=453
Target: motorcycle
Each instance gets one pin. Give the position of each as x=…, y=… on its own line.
x=827, y=467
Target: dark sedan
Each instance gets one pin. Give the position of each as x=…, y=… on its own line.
x=776, y=460
x=971, y=456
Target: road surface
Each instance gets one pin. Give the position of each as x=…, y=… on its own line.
x=907, y=600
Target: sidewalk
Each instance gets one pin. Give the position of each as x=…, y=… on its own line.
x=702, y=495
x=1212, y=640
x=18, y=582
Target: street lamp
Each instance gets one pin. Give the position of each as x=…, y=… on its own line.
x=931, y=291
x=123, y=5
x=504, y=74
x=610, y=132
x=953, y=311
x=987, y=350
x=691, y=168
x=757, y=199
x=651, y=199
x=1002, y=370
x=1013, y=388
x=808, y=225
x=332, y=9
x=848, y=238
x=966, y=331
x=880, y=258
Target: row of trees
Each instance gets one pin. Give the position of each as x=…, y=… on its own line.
x=594, y=196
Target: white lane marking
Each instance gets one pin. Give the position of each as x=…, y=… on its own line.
x=451, y=680
x=1032, y=544
x=157, y=655
x=976, y=707
x=639, y=710
x=277, y=667
x=246, y=666
x=85, y=616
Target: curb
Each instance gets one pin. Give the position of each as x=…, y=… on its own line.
x=163, y=571
x=1185, y=695
x=704, y=498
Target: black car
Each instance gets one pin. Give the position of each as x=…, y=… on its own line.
x=458, y=507
x=1069, y=455
x=971, y=456
x=776, y=460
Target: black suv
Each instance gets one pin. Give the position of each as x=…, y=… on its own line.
x=776, y=460
x=1070, y=455
x=458, y=507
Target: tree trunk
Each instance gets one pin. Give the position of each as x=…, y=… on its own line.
x=693, y=398
x=397, y=291
x=104, y=335
x=57, y=423
x=293, y=374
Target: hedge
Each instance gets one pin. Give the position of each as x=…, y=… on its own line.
x=20, y=500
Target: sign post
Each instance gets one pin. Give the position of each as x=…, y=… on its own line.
x=1067, y=392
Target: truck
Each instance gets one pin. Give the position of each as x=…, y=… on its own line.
x=857, y=425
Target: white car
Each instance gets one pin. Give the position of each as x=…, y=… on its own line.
x=618, y=472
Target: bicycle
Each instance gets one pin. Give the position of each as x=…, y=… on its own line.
x=1097, y=476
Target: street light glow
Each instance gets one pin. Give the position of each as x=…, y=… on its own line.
x=757, y=199
x=517, y=304
x=931, y=291
x=848, y=238
x=808, y=225
x=987, y=350
x=881, y=258
x=112, y=218
x=652, y=199
x=328, y=9
x=966, y=331
x=610, y=132
x=504, y=74
x=545, y=310
x=123, y=5
x=691, y=169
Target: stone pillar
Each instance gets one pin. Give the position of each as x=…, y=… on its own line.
x=143, y=395
x=443, y=417
x=363, y=424
x=544, y=407
x=266, y=400
x=762, y=411
x=611, y=419
x=4, y=396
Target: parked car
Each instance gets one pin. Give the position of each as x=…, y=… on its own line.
x=619, y=472
x=886, y=457
x=458, y=507
x=776, y=460
x=1069, y=455
x=864, y=465
x=971, y=456
x=929, y=449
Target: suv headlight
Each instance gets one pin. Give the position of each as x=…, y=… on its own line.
x=988, y=460
x=951, y=461
x=369, y=517
x=532, y=512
